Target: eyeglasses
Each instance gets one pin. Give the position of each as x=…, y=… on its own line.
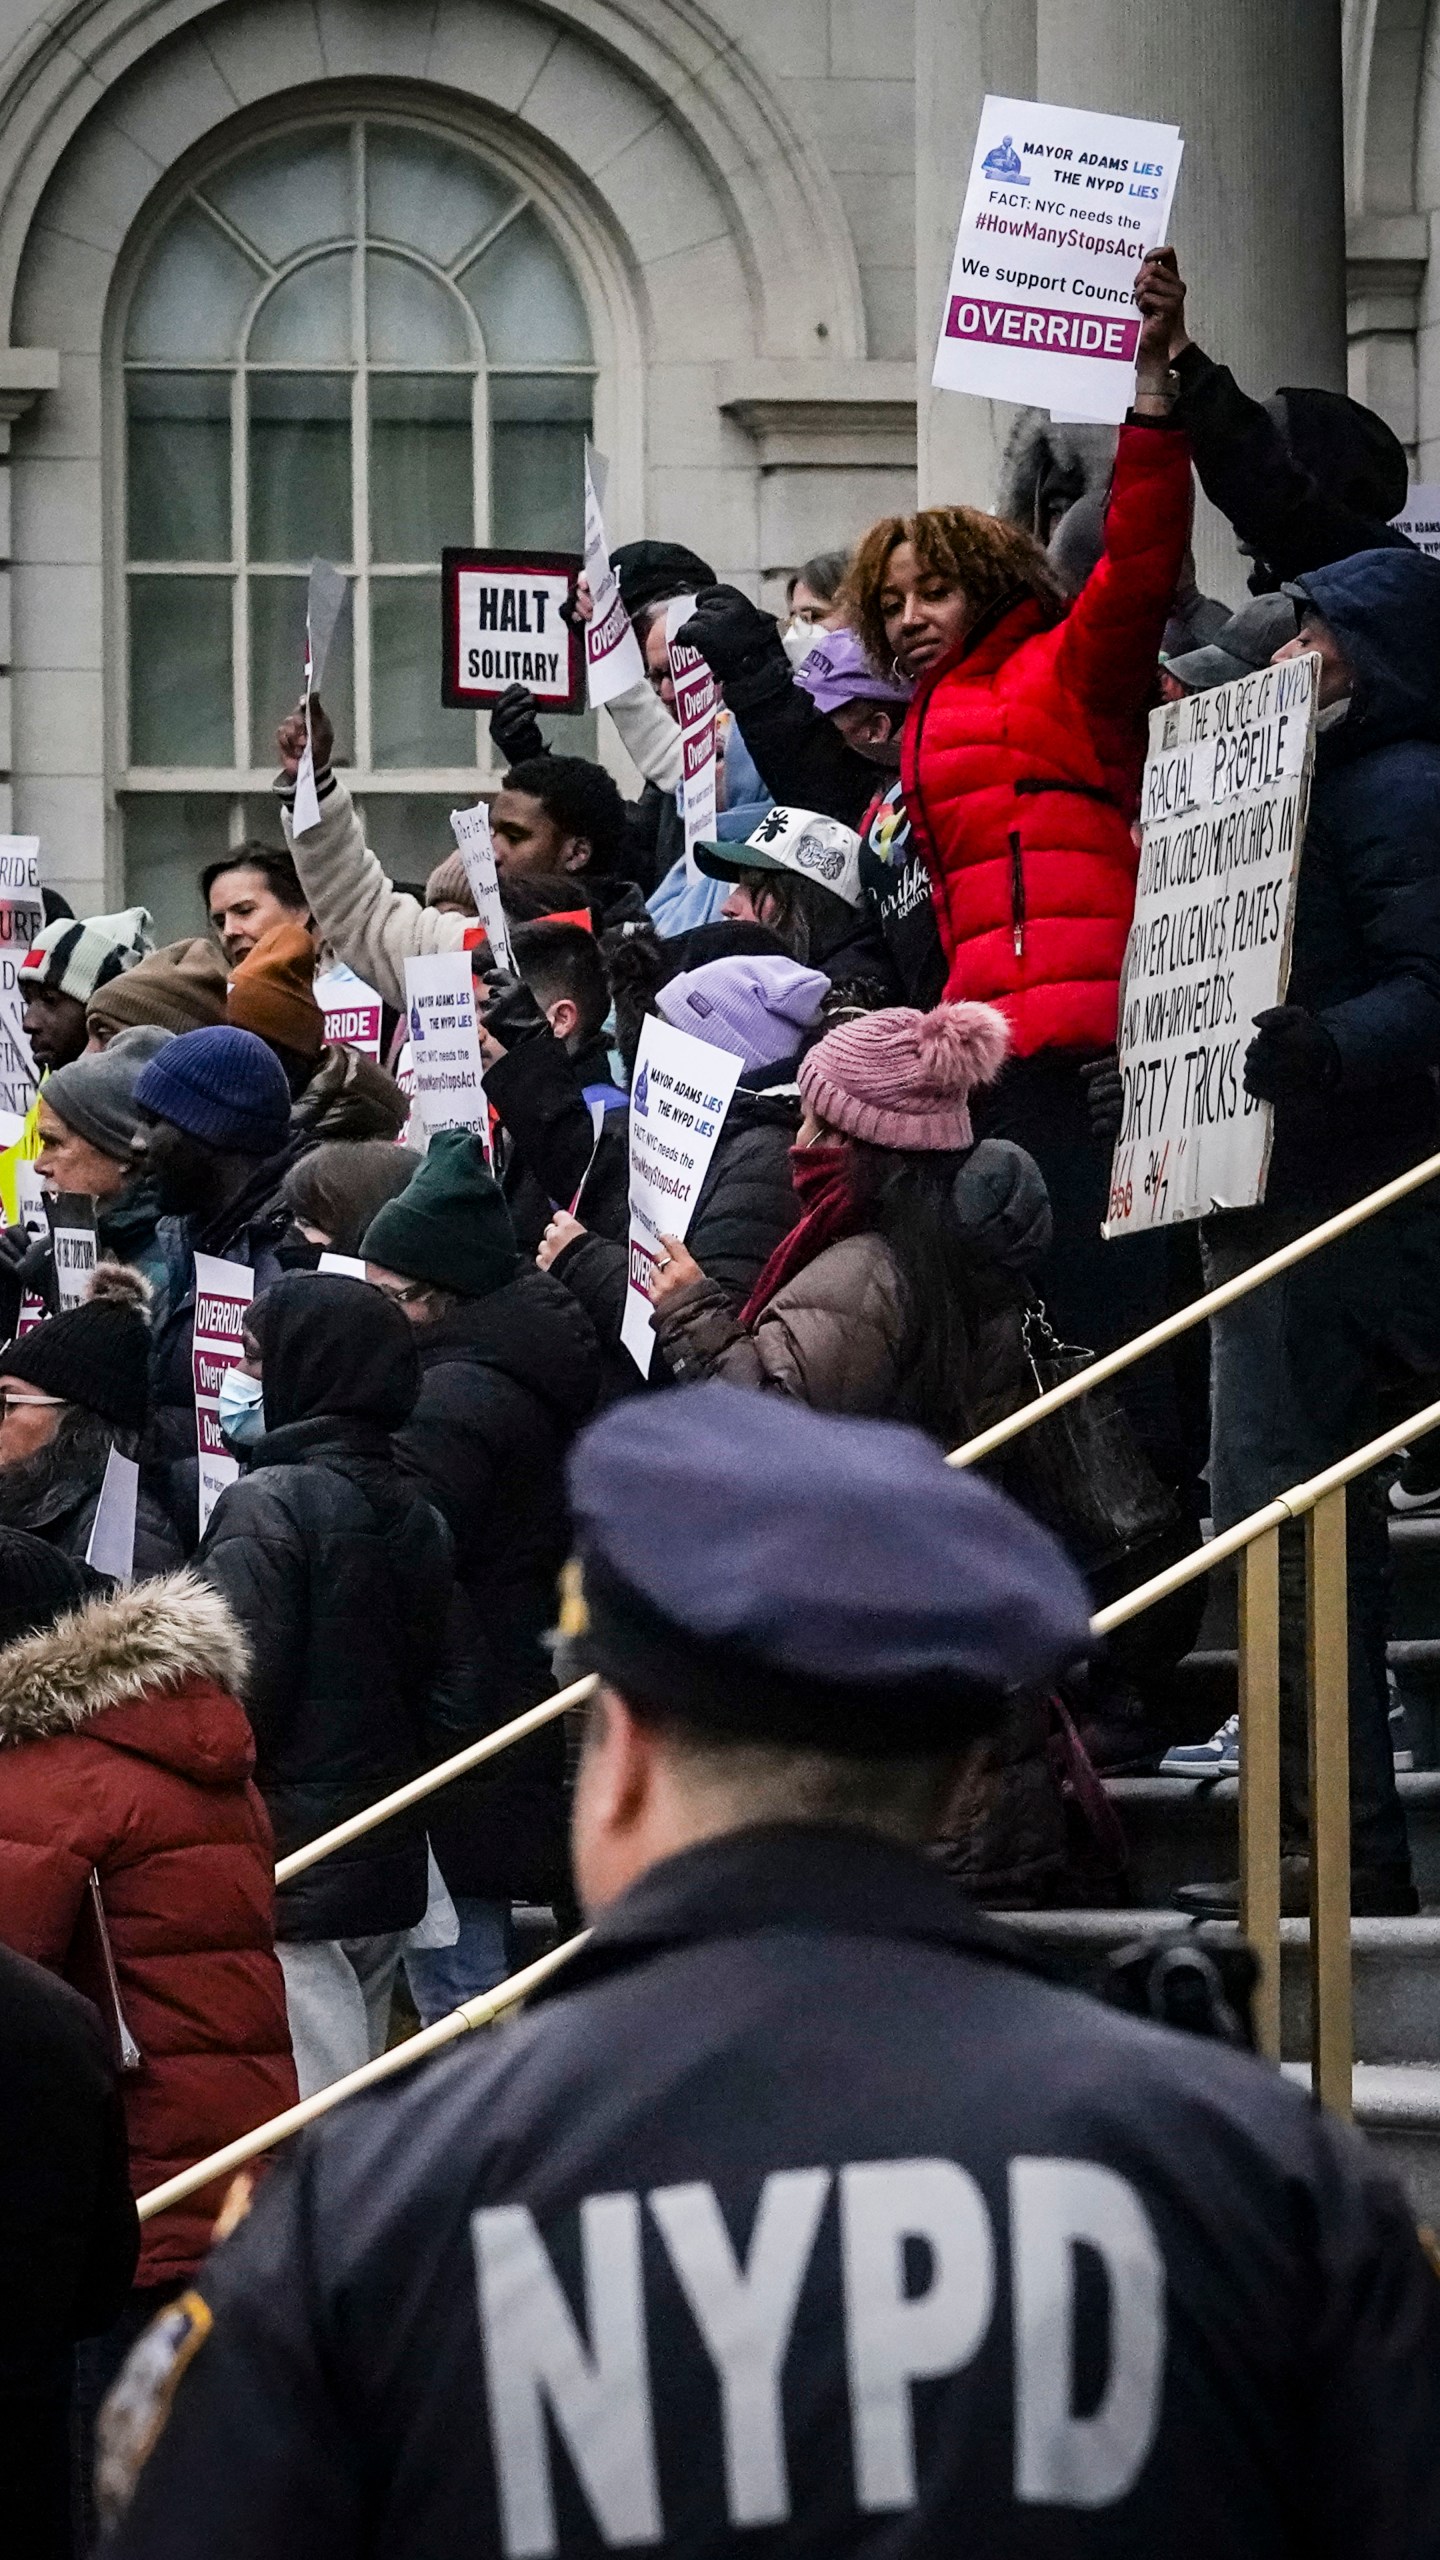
x=407, y=1296
x=9, y=1398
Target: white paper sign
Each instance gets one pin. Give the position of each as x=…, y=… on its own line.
x=1420, y=517
x=1061, y=207
x=324, y=601
x=32, y=1207
x=440, y=1005
x=112, y=1532
x=353, y=1011
x=223, y=1291
x=696, y=703
x=613, y=662
x=509, y=629
x=22, y=914
x=1223, y=807
x=475, y=846
x=678, y=1100
x=342, y=1266
x=76, y=1246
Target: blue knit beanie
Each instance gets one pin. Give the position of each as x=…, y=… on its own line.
x=223, y=1086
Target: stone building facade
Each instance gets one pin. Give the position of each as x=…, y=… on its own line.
x=355, y=277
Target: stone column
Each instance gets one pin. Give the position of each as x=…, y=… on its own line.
x=26, y=374
x=1255, y=87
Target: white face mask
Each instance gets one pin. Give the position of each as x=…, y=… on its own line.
x=798, y=639
x=1333, y=714
x=240, y=1409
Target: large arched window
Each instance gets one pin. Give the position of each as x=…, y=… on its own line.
x=359, y=341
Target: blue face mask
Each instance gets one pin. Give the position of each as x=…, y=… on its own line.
x=241, y=1409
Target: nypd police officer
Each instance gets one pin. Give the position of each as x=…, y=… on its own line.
x=800, y=2207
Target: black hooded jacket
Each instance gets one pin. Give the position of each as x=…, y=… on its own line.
x=340, y=1574
x=507, y=1380
x=1317, y=488
x=1366, y=948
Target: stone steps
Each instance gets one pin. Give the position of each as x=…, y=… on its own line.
x=1181, y=1830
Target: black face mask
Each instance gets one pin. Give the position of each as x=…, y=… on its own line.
x=295, y=1252
x=182, y=1168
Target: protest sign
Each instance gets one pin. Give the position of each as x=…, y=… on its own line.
x=76, y=1245
x=342, y=1266
x=445, y=1044
x=223, y=1291
x=1420, y=517
x=32, y=1208
x=1061, y=207
x=112, y=1531
x=1223, y=807
x=696, y=703
x=503, y=625
x=22, y=914
x=324, y=602
x=613, y=662
x=473, y=843
x=679, y=1096
x=353, y=1012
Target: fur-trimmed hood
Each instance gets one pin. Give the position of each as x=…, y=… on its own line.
x=126, y=1656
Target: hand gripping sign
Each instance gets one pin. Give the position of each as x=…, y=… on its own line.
x=678, y=1100
x=503, y=624
x=1223, y=804
x=223, y=1291
x=1061, y=207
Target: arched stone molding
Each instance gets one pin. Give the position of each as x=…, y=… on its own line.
x=1387, y=110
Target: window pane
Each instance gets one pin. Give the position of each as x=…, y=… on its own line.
x=193, y=296
x=307, y=318
x=299, y=466
x=168, y=841
x=526, y=299
x=409, y=724
x=421, y=482
x=538, y=426
x=410, y=835
x=412, y=317
x=291, y=194
x=178, y=466
x=277, y=667
x=428, y=195
x=181, y=708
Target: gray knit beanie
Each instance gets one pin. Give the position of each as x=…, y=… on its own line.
x=95, y=1095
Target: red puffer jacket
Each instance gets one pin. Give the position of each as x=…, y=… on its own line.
x=123, y=1751
x=1022, y=759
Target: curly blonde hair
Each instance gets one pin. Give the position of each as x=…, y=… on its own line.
x=986, y=556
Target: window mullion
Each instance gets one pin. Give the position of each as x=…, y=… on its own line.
x=480, y=474
x=360, y=472
x=240, y=557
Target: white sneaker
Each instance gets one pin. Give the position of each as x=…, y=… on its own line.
x=1217, y=1758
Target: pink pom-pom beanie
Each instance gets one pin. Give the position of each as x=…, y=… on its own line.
x=904, y=1079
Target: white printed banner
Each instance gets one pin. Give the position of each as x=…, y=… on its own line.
x=32, y=1204
x=697, y=699
x=76, y=1246
x=679, y=1096
x=613, y=663
x=1420, y=517
x=1062, y=205
x=445, y=1043
x=353, y=1011
x=1227, y=781
x=476, y=848
x=22, y=913
x=223, y=1291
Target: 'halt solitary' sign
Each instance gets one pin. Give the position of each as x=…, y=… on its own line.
x=504, y=625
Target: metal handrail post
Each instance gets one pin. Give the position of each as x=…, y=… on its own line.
x=1259, y=1632
x=1327, y=1667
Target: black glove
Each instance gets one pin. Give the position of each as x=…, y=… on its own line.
x=1292, y=1056
x=510, y=1013
x=24, y=1253
x=515, y=725
x=730, y=632
x=1104, y=1097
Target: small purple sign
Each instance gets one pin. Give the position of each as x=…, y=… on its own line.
x=1061, y=333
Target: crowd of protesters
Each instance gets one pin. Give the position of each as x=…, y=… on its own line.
x=909, y=930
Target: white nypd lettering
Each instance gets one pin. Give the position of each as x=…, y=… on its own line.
x=1060, y=2459
x=894, y=2338
x=745, y=2316
x=598, y=2396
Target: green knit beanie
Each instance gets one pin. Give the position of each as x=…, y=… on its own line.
x=450, y=1226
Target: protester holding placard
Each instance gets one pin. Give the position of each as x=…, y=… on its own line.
x=74, y=1389
x=65, y=965
x=549, y=1078
x=86, y=1121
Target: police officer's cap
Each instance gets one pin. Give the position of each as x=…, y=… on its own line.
x=773, y=1574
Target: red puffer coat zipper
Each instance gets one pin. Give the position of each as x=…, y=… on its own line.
x=1022, y=759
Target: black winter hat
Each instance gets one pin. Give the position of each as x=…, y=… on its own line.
x=96, y=1355
x=1350, y=451
x=38, y=1581
x=331, y=1345
x=648, y=570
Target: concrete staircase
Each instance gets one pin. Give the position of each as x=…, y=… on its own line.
x=1180, y=1830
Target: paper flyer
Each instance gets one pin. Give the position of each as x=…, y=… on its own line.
x=613, y=662
x=223, y=1291
x=353, y=1011
x=476, y=848
x=697, y=699
x=445, y=1043
x=679, y=1095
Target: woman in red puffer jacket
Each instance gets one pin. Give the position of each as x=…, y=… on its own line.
x=124, y=1756
x=1022, y=757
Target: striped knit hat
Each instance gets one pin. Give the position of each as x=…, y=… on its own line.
x=73, y=957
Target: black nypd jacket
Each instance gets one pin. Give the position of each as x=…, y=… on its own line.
x=802, y=2217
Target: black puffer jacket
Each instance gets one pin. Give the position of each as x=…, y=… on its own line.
x=340, y=1574
x=550, y=1147
x=747, y=1203
x=507, y=1381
